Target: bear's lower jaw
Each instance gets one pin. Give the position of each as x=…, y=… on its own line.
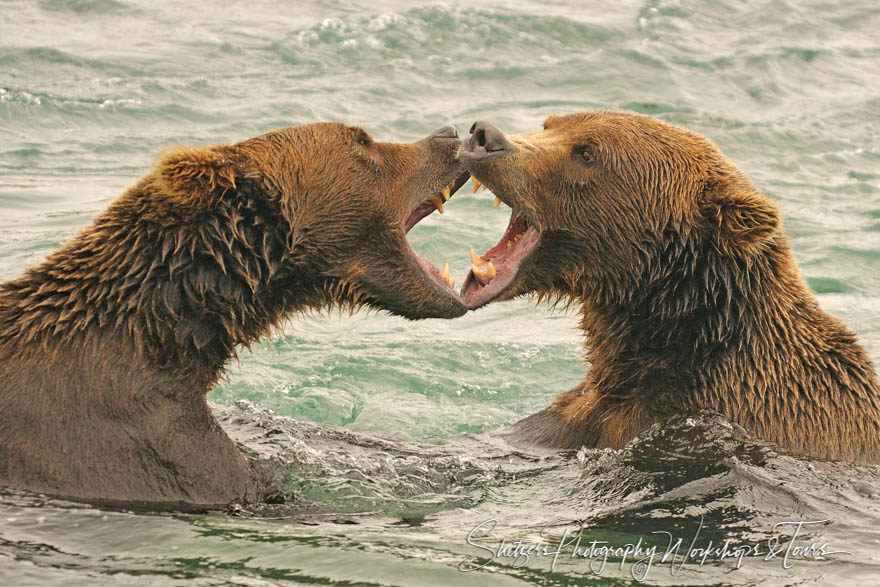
x=494, y=273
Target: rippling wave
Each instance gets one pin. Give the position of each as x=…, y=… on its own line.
x=384, y=475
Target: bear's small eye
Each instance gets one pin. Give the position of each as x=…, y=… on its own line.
x=363, y=140
x=586, y=153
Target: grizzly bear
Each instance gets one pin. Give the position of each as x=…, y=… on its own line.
x=109, y=347
x=689, y=294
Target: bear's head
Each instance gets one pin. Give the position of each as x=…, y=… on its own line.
x=607, y=205
x=314, y=215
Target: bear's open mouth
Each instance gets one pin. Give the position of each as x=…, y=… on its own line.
x=493, y=272
x=422, y=211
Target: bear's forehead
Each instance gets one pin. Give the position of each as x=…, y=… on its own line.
x=610, y=127
x=603, y=119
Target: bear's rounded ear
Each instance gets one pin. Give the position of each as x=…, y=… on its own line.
x=744, y=221
x=197, y=176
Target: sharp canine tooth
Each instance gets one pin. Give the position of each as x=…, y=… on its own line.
x=451, y=282
x=446, y=194
x=438, y=203
x=476, y=259
x=497, y=202
x=490, y=271
x=477, y=184
x=445, y=273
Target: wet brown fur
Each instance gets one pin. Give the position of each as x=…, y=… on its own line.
x=108, y=348
x=689, y=293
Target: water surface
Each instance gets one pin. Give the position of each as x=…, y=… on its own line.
x=92, y=90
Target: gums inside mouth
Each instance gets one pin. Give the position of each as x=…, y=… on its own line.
x=493, y=272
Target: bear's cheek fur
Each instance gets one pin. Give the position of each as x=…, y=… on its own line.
x=579, y=232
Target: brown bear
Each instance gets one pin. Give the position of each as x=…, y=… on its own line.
x=689, y=293
x=108, y=348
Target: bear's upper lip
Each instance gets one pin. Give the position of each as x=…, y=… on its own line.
x=494, y=272
x=435, y=202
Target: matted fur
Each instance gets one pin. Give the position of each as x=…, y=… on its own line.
x=108, y=347
x=690, y=297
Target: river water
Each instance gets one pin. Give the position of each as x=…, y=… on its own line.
x=391, y=450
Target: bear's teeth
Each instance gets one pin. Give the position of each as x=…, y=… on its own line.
x=483, y=270
x=485, y=274
x=477, y=184
x=445, y=192
x=438, y=203
x=497, y=202
x=444, y=273
x=515, y=240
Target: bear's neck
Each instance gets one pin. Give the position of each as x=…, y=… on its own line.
x=743, y=337
x=178, y=296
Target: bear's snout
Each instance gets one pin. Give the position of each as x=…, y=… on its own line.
x=444, y=132
x=486, y=141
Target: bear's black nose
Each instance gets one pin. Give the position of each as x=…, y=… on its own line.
x=485, y=141
x=445, y=132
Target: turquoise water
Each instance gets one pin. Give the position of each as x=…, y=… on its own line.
x=91, y=91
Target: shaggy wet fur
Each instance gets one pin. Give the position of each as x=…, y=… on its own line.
x=108, y=348
x=689, y=293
